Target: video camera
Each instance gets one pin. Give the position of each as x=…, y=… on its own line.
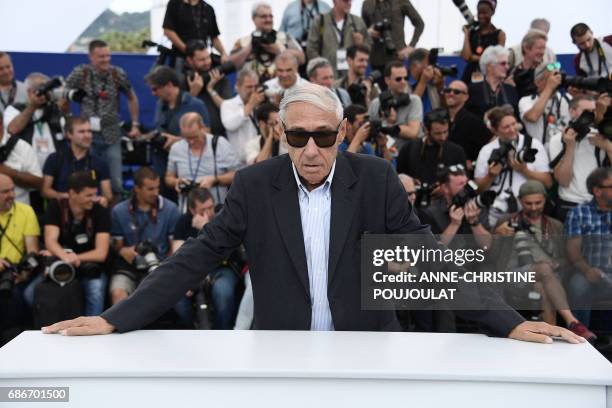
x=55, y=89
x=450, y=70
x=467, y=14
x=388, y=101
x=384, y=28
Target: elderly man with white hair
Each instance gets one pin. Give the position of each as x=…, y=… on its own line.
x=516, y=51
x=286, y=75
x=321, y=72
x=301, y=217
x=492, y=91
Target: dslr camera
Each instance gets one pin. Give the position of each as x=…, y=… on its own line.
x=29, y=262
x=55, y=89
x=376, y=127
x=146, y=260
x=384, y=28
x=450, y=70
x=522, y=241
x=470, y=191
x=358, y=91
x=388, y=101
x=467, y=14
x=500, y=155
x=260, y=38
x=225, y=68
x=185, y=187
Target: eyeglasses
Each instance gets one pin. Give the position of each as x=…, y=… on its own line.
x=265, y=16
x=400, y=79
x=453, y=91
x=456, y=169
x=300, y=138
x=502, y=63
x=553, y=66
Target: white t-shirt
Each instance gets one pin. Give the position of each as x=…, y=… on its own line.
x=482, y=167
x=584, y=163
x=22, y=158
x=253, y=147
x=593, y=56
x=239, y=127
x=556, y=106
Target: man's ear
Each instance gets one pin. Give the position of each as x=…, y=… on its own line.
x=341, y=131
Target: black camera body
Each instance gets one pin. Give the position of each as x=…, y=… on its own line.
x=384, y=28
x=376, y=127
x=424, y=192
x=146, y=260
x=527, y=155
x=185, y=187
x=500, y=155
x=450, y=70
x=599, y=84
x=29, y=262
x=358, y=91
x=582, y=124
x=260, y=38
x=225, y=68
x=388, y=100
x=470, y=191
x=54, y=89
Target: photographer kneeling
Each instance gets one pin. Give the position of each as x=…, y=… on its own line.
x=538, y=245
x=505, y=163
x=220, y=285
x=77, y=232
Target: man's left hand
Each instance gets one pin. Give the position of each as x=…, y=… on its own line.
x=602, y=142
x=357, y=38
x=540, y=332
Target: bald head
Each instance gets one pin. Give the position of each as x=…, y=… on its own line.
x=7, y=193
x=409, y=186
x=456, y=95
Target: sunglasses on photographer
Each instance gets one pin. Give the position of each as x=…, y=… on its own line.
x=453, y=91
x=322, y=138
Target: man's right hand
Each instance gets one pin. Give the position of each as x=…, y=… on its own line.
x=81, y=326
x=256, y=98
x=495, y=169
x=196, y=84
x=128, y=253
x=362, y=133
x=569, y=136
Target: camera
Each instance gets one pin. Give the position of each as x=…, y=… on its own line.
x=500, y=155
x=384, y=28
x=470, y=191
x=260, y=38
x=582, y=124
x=605, y=126
x=527, y=155
x=59, y=271
x=226, y=68
x=376, y=127
x=29, y=262
x=424, y=192
x=522, y=240
x=55, y=89
x=600, y=85
x=164, y=52
x=467, y=14
x=358, y=91
x=146, y=260
x=388, y=101
x=185, y=187
x=451, y=70
x=157, y=139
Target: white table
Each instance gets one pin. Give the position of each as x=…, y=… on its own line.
x=307, y=369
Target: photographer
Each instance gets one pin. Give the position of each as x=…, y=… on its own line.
x=205, y=81
x=259, y=49
x=285, y=77
x=420, y=158
x=39, y=122
x=428, y=80
x=595, y=56
x=477, y=39
x=238, y=113
x=268, y=144
x=542, y=238
x=298, y=17
x=361, y=89
x=385, y=22
x=589, y=244
x=516, y=51
x=142, y=229
x=76, y=156
x=200, y=159
x=509, y=160
x=546, y=111
x=11, y=90
x=77, y=231
x=19, y=233
x=103, y=83
x=187, y=20
x=492, y=91
x=332, y=33
x=320, y=72
x=19, y=162
x=533, y=48
x=396, y=106
x=575, y=152
x=361, y=135
x=224, y=279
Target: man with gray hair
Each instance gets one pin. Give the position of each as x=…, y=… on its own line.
x=492, y=91
x=516, y=51
x=286, y=75
x=533, y=48
x=238, y=113
x=300, y=217
x=11, y=90
x=320, y=72
x=260, y=49
x=39, y=121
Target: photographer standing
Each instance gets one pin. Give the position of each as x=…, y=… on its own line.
x=11, y=90
x=533, y=48
x=505, y=163
x=385, y=21
x=332, y=33
x=259, y=49
x=595, y=56
x=396, y=106
x=575, y=152
x=204, y=81
x=298, y=17
x=428, y=80
x=200, y=160
x=421, y=158
x=544, y=241
x=142, y=229
x=103, y=83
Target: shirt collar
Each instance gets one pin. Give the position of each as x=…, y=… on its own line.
x=325, y=186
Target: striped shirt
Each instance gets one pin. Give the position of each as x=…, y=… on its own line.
x=315, y=212
x=595, y=228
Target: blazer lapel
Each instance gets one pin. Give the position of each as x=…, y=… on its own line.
x=289, y=222
x=342, y=209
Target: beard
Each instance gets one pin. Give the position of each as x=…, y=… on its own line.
x=534, y=213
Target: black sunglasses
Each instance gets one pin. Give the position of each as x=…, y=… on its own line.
x=400, y=79
x=453, y=91
x=322, y=138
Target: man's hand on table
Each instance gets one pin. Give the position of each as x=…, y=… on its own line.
x=81, y=326
x=540, y=332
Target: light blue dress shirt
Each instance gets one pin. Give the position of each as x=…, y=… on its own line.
x=315, y=212
x=295, y=20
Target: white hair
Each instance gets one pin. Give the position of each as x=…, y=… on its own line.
x=541, y=24
x=316, y=63
x=316, y=95
x=257, y=6
x=491, y=55
x=33, y=77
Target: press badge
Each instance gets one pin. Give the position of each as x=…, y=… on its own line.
x=81, y=239
x=96, y=126
x=341, y=63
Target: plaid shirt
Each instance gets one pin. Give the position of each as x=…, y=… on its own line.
x=595, y=228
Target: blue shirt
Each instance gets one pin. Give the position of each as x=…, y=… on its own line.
x=62, y=163
x=315, y=212
x=595, y=227
x=366, y=148
x=137, y=227
x=295, y=20
x=168, y=120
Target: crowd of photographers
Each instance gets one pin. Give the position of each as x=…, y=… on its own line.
x=515, y=148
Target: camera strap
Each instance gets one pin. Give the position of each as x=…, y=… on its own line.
x=7, y=148
x=11, y=95
x=3, y=234
x=215, y=140
x=194, y=174
x=601, y=60
x=67, y=224
x=307, y=15
x=556, y=101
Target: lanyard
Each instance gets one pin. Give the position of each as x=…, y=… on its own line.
x=193, y=174
x=340, y=32
x=309, y=16
x=601, y=60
